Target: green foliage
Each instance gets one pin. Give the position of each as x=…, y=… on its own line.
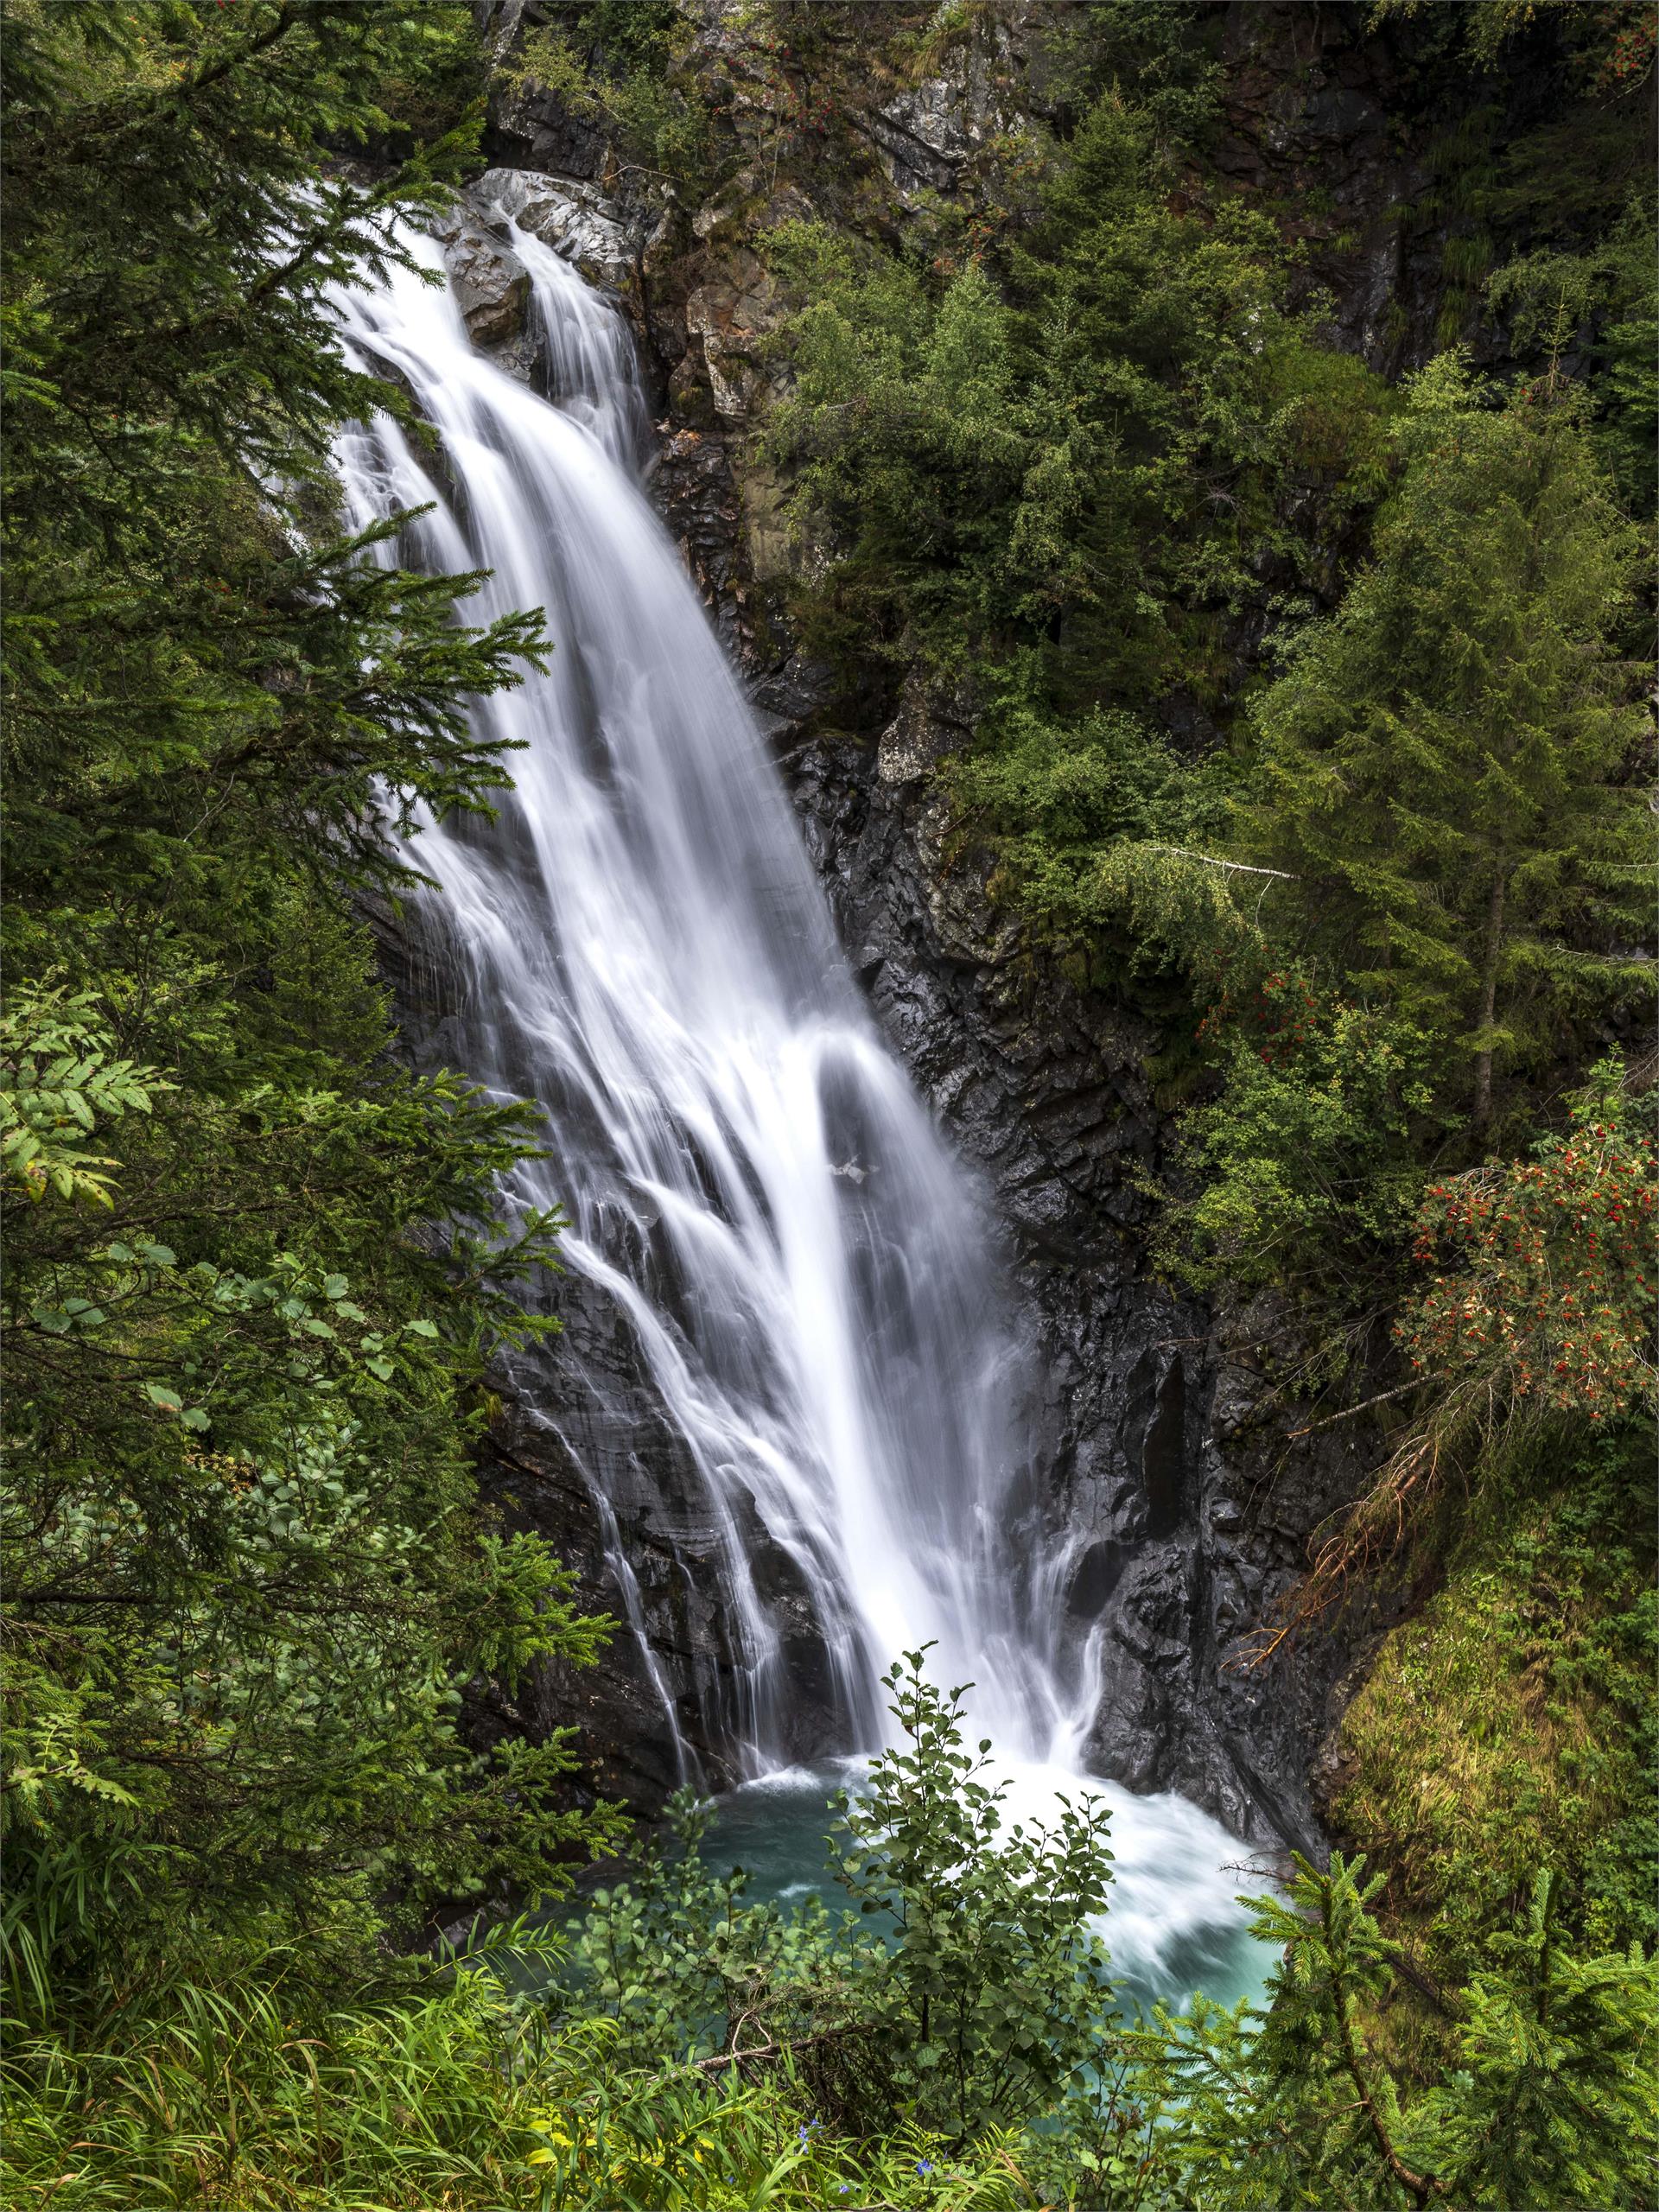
x=1548, y=1294
x=988, y=1954
x=248, y=1635
x=899, y=409
x=1058, y=454
x=1031, y=453
x=1441, y=823
x=1069, y=452
x=683, y=1966
x=1077, y=453
x=249, y=1320
x=177, y=655
x=634, y=36
x=681, y=2142
x=257, y=2090
x=992, y=1999
x=58, y=1080
x=1545, y=2101
x=613, y=63
x=1512, y=1717
x=986, y=2006
x=968, y=1999
x=1543, y=197
x=1554, y=292
x=1552, y=2100
x=693, y=2140
x=1614, y=42
x=1308, y=1162
x=441, y=87
x=1289, y=2104
x=1088, y=821
x=1543, y=1313
x=1443, y=764
x=1162, y=55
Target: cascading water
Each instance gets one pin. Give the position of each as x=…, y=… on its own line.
x=639, y=943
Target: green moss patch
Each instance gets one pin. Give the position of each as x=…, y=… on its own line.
x=1509, y=1724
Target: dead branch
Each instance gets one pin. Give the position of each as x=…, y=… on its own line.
x=1230, y=868
x=1348, y=1412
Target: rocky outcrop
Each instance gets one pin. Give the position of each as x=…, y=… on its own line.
x=926, y=134
x=1161, y=1472
x=604, y=238
x=491, y=287
x=1160, y=1456
x=581, y=1452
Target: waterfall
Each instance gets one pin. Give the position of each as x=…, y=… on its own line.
x=638, y=942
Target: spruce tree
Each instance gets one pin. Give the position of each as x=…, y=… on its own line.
x=1445, y=764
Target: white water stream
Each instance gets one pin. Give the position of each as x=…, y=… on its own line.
x=639, y=941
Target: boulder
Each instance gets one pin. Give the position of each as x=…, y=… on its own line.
x=602, y=237
x=491, y=285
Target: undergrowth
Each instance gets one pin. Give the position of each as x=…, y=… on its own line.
x=1512, y=1720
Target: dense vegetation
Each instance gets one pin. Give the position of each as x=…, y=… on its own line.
x=1307, y=719
x=1086, y=454
x=252, y=1274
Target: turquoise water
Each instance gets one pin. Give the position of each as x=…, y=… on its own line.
x=1174, y=1925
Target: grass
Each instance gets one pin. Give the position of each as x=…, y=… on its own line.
x=1508, y=1726
x=460, y=2100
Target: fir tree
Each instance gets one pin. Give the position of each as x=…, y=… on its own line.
x=1445, y=764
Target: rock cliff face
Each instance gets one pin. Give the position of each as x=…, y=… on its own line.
x=1185, y=1522
x=1159, y=1450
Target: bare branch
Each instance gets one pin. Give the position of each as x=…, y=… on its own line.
x=1363, y=1406
x=1230, y=868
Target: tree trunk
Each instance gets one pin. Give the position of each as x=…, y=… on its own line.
x=1488, y=1001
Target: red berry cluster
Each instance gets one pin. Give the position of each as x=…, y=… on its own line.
x=1550, y=1272
x=1621, y=44
x=1281, y=1012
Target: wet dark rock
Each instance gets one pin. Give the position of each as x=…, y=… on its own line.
x=693, y=486
x=1157, y=1448
x=1323, y=120
x=528, y=126
x=575, y=1429
x=491, y=287
x=1188, y=1515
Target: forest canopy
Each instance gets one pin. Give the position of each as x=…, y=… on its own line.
x=1304, y=720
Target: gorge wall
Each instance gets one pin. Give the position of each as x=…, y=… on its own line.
x=1161, y=1444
